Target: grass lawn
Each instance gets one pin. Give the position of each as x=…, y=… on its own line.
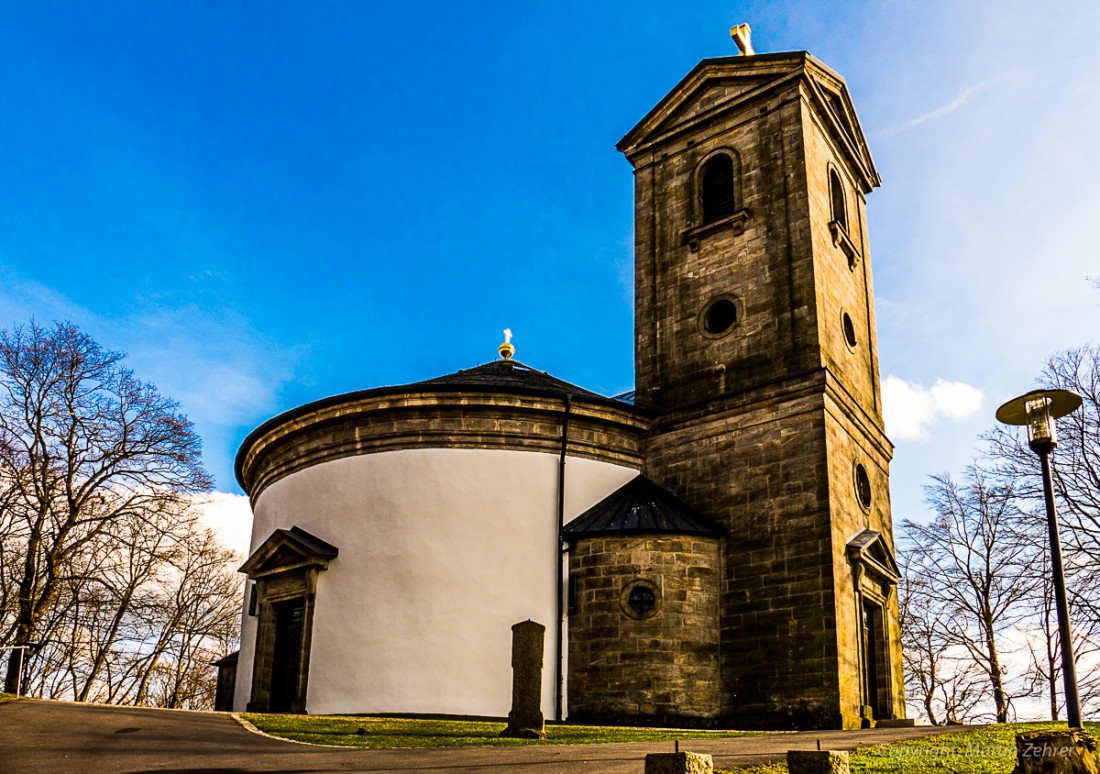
x=348, y=731
x=990, y=750
x=6, y=697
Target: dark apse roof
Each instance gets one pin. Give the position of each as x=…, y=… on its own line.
x=510, y=375
x=641, y=507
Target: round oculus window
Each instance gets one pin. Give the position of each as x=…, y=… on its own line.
x=640, y=600
x=720, y=316
x=863, y=486
x=849, y=329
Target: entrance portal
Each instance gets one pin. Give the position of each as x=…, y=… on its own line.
x=284, y=569
x=872, y=657
x=286, y=665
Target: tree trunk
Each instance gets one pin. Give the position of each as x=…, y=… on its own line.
x=12, y=673
x=995, y=681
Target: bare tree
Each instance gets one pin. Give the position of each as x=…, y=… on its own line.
x=1076, y=482
x=975, y=567
x=1044, y=640
x=940, y=677
x=199, y=602
x=83, y=444
x=127, y=560
x=140, y=619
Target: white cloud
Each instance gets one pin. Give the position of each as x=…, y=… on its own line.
x=910, y=409
x=229, y=516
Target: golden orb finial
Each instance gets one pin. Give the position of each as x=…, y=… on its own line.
x=506, y=349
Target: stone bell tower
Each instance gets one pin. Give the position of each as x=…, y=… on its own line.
x=755, y=337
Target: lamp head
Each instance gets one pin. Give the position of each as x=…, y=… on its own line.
x=1038, y=409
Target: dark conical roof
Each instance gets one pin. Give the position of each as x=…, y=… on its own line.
x=507, y=374
x=641, y=507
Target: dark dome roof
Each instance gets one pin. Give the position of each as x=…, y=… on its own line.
x=509, y=375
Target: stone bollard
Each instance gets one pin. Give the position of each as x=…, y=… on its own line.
x=678, y=763
x=1056, y=751
x=817, y=762
x=525, y=721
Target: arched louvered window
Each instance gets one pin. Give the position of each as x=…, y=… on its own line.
x=716, y=189
x=836, y=199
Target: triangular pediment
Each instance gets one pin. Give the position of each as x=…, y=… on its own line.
x=286, y=549
x=869, y=549
x=713, y=85
x=716, y=86
x=712, y=93
x=829, y=95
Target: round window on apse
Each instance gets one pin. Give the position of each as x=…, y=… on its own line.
x=640, y=599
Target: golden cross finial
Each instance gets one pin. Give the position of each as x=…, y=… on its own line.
x=742, y=36
x=506, y=349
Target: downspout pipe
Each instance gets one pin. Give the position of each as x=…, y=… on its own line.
x=559, y=552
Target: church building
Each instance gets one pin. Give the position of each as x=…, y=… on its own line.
x=713, y=549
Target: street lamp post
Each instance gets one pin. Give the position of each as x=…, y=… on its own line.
x=1038, y=409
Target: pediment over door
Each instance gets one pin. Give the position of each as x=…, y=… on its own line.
x=289, y=549
x=868, y=551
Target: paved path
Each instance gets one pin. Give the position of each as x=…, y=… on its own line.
x=63, y=738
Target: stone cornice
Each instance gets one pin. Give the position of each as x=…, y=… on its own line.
x=856, y=413
x=388, y=420
x=820, y=381
x=742, y=401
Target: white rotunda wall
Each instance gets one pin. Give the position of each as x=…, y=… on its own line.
x=441, y=552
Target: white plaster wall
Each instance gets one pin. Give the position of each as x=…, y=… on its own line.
x=441, y=551
x=242, y=690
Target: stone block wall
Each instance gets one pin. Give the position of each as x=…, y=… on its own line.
x=842, y=285
x=659, y=666
x=849, y=443
x=764, y=261
x=388, y=419
x=764, y=424
x=757, y=464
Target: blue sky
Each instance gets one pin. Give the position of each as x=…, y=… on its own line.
x=268, y=203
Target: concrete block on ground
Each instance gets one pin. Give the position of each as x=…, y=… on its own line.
x=678, y=763
x=817, y=762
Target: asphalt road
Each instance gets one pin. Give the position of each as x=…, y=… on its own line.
x=61, y=738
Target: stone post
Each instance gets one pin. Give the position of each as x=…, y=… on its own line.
x=525, y=721
x=1056, y=751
